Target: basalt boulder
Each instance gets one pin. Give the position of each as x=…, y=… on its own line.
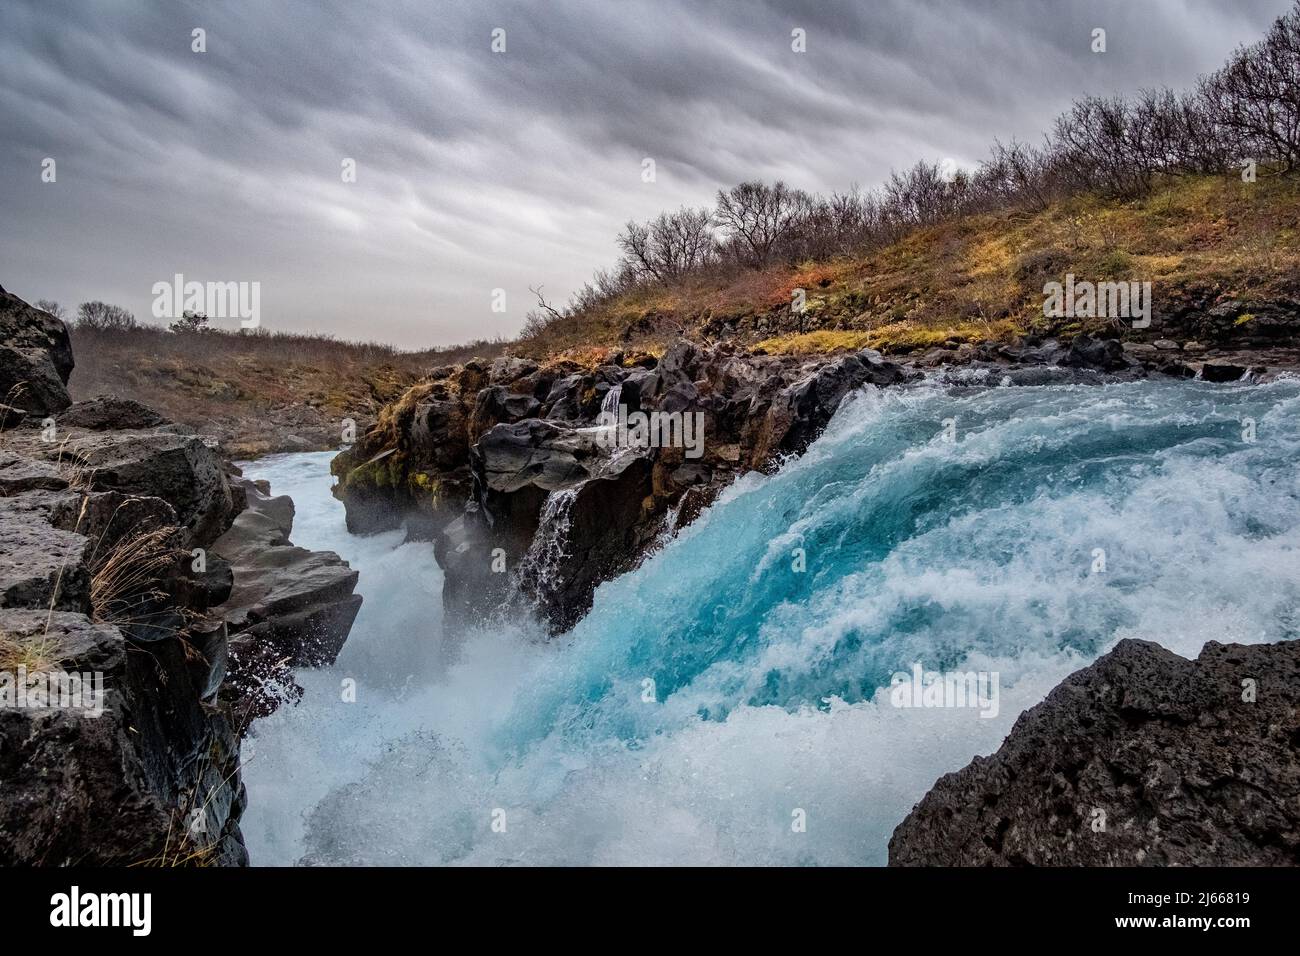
x=1221, y=372
x=180, y=469
x=35, y=358
x=1143, y=758
x=1103, y=355
x=498, y=404
x=106, y=412
x=799, y=412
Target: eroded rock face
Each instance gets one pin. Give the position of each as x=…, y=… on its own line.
x=101, y=515
x=35, y=358
x=182, y=470
x=126, y=786
x=288, y=608
x=501, y=464
x=1142, y=759
x=799, y=412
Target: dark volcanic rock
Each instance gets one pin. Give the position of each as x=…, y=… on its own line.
x=532, y=452
x=35, y=358
x=289, y=607
x=180, y=469
x=1143, y=758
x=1242, y=323
x=41, y=564
x=798, y=413
x=153, y=778
x=19, y=473
x=28, y=381
x=1221, y=372
x=105, y=412
x=498, y=404
x=1105, y=355
x=604, y=536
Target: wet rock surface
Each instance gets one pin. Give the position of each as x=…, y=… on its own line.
x=288, y=607
x=474, y=457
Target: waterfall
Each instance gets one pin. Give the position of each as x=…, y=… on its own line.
x=542, y=560
x=609, y=405
x=719, y=685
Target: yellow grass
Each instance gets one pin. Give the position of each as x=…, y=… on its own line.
x=973, y=279
x=36, y=652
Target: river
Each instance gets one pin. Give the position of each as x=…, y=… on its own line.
x=729, y=700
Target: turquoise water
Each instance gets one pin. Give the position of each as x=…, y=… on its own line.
x=738, y=680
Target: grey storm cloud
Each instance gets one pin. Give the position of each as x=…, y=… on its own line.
x=480, y=171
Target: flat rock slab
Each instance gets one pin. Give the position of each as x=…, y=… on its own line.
x=42, y=565
x=180, y=469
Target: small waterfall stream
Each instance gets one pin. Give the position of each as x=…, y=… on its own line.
x=609, y=404
x=542, y=560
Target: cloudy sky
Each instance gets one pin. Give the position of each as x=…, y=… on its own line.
x=479, y=170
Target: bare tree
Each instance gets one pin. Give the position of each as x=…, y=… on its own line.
x=104, y=317
x=1255, y=97
x=538, y=320
x=1020, y=174
x=52, y=307
x=922, y=195
x=758, y=217
x=669, y=246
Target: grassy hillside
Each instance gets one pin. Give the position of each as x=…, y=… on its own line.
x=976, y=278
x=256, y=393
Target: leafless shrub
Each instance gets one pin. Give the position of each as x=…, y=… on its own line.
x=670, y=245
x=52, y=307
x=104, y=317
x=757, y=218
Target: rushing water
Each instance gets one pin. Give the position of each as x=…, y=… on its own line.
x=717, y=691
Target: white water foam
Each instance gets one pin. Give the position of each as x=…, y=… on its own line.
x=1201, y=533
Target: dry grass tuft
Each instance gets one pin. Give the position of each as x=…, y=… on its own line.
x=73, y=469
x=35, y=652
x=127, y=574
